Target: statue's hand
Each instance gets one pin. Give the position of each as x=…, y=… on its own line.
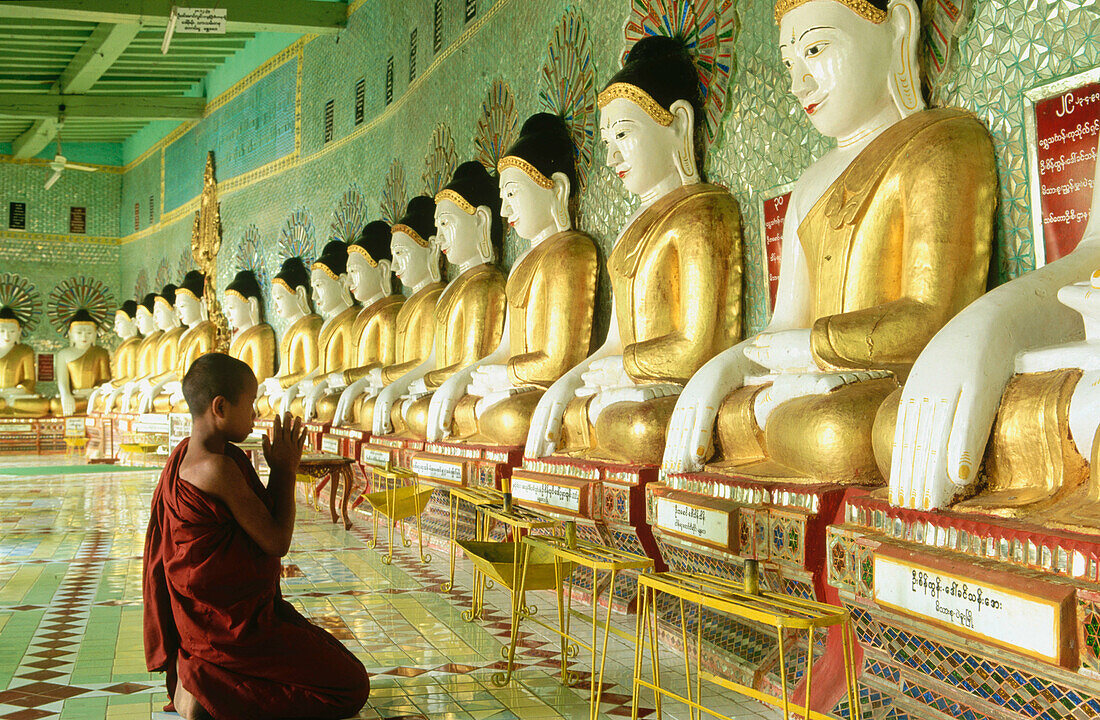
x=488, y=379
x=947, y=409
x=441, y=409
x=635, y=393
x=782, y=352
x=688, y=441
x=374, y=377
x=546, y=422
x=382, y=407
x=335, y=381
x=271, y=386
x=418, y=386
x=68, y=404
x=608, y=372
x=347, y=397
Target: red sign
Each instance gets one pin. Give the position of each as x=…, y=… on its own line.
x=45, y=367
x=775, y=210
x=1067, y=127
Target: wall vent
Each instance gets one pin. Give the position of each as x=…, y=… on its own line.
x=329, y=110
x=437, y=27
x=412, y=55
x=360, y=96
x=389, y=80
x=471, y=9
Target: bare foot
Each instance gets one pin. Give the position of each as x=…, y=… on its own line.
x=186, y=704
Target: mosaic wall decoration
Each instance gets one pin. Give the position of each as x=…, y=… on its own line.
x=165, y=272
x=19, y=295
x=497, y=127
x=350, y=216
x=296, y=239
x=254, y=129
x=80, y=293
x=569, y=87
x=440, y=164
x=142, y=284
x=250, y=256
x=395, y=195
x=708, y=27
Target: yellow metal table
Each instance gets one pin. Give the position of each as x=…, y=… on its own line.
x=787, y=614
x=567, y=554
x=478, y=497
x=402, y=495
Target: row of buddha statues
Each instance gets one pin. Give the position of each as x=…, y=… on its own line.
x=884, y=360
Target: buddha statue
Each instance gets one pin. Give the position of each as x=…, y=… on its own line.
x=82, y=366
x=167, y=349
x=416, y=259
x=146, y=358
x=675, y=270
x=550, y=294
x=886, y=237
x=469, y=315
x=298, y=346
x=124, y=360
x=329, y=280
x=164, y=393
x=17, y=371
x=252, y=340
x=1007, y=391
x=374, y=333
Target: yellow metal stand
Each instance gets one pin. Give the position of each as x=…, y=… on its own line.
x=505, y=563
x=75, y=445
x=402, y=495
x=567, y=553
x=785, y=613
x=478, y=497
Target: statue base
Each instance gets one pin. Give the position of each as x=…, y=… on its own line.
x=960, y=615
x=32, y=435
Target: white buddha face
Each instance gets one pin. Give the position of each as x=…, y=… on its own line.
x=639, y=149
x=458, y=233
x=189, y=308
x=286, y=302
x=125, y=326
x=410, y=259
x=238, y=313
x=365, y=281
x=10, y=335
x=839, y=65
x=165, y=315
x=524, y=204
x=327, y=292
x=145, y=321
x=82, y=335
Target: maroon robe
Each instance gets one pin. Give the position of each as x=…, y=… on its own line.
x=212, y=597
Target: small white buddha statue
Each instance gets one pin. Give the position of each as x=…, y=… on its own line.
x=298, y=344
x=81, y=367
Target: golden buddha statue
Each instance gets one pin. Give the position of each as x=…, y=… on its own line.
x=416, y=264
x=886, y=237
x=18, y=376
x=329, y=280
x=115, y=391
x=469, y=316
x=374, y=332
x=124, y=360
x=165, y=391
x=298, y=346
x=675, y=270
x=166, y=356
x=550, y=293
x=82, y=366
x=253, y=341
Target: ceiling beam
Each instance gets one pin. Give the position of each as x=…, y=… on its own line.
x=291, y=16
x=120, y=107
x=93, y=59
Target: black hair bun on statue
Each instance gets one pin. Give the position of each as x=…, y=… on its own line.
x=168, y=293
x=244, y=283
x=664, y=69
x=129, y=308
x=473, y=184
x=375, y=239
x=420, y=218
x=544, y=142
x=293, y=273
x=334, y=257
x=148, y=301
x=194, y=282
x=81, y=315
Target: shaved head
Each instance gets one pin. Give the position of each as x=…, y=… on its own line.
x=213, y=375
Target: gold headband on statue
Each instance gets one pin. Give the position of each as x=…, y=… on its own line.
x=864, y=9
x=517, y=162
x=238, y=293
x=457, y=199
x=411, y=233
x=161, y=298
x=363, y=251
x=639, y=97
x=328, y=271
x=184, y=290
x=284, y=283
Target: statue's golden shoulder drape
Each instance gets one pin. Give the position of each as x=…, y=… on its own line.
x=900, y=243
x=124, y=361
x=550, y=294
x=676, y=275
x=196, y=342
x=335, y=342
x=255, y=347
x=298, y=350
x=147, y=354
x=415, y=331
x=469, y=321
x=17, y=368
x=168, y=352
x=375, y=335
x=90, y=369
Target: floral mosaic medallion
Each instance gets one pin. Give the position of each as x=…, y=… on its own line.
x=350, y=215
x=20, y=295
x=250, y=255
x=441, y=161
x=296, y=239
x=568, y=87
x=395, y=194
x=80, y=293
x=497, y=125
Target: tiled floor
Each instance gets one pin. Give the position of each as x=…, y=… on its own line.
x=70, y=616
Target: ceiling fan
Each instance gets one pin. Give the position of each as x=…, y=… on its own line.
x=59, y=163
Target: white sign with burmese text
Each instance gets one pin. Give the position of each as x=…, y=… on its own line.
x=703, y=523
x=559, y=496
x=975, y=607
x=445, y=471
